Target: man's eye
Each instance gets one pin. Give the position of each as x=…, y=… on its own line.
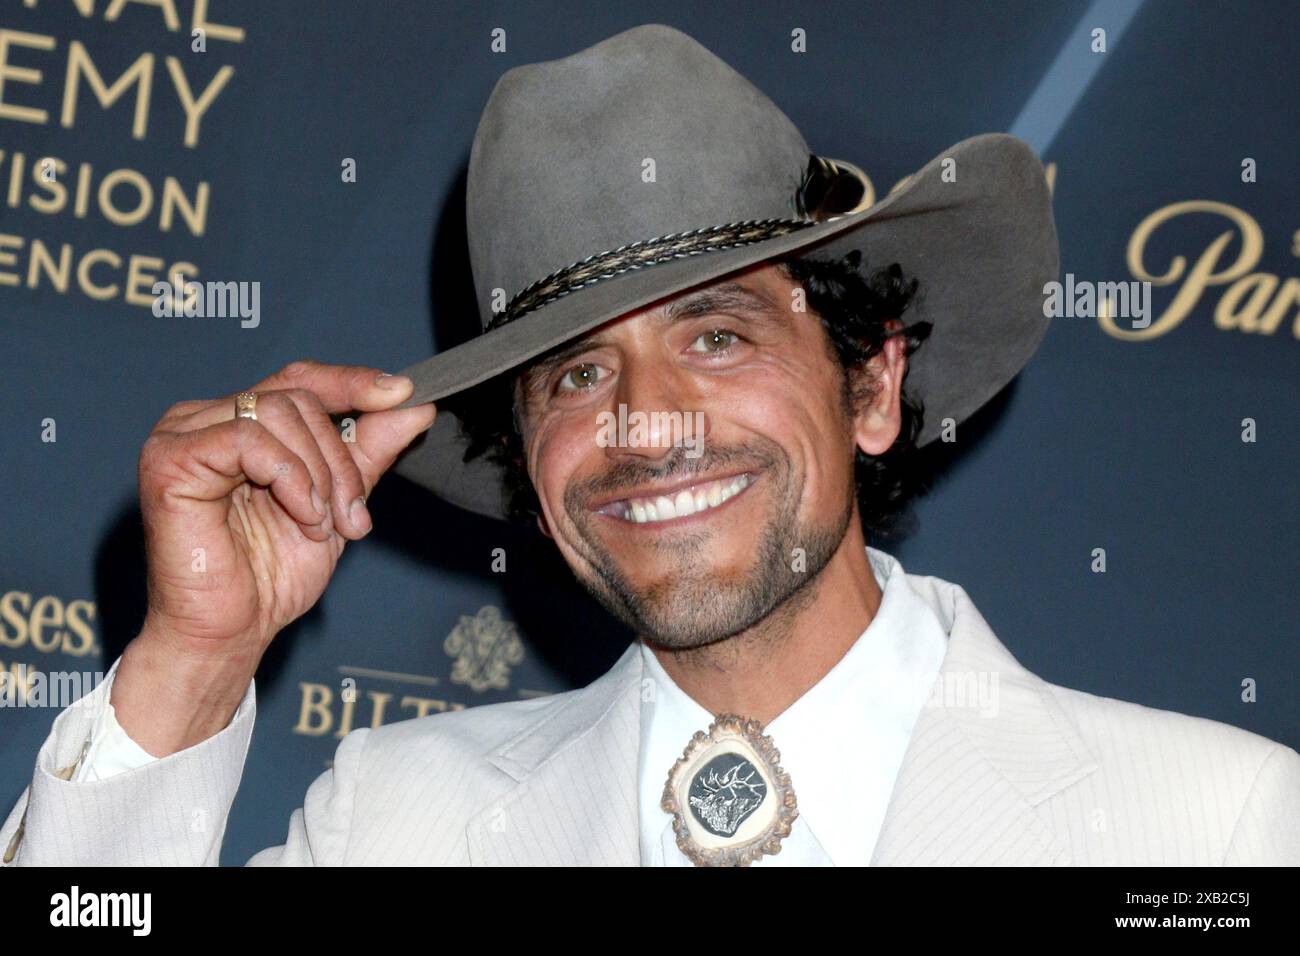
x=715, y=340
x=581, y=376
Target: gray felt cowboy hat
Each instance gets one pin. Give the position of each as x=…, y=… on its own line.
x=559, y=218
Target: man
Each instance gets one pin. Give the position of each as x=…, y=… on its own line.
x=793, y=696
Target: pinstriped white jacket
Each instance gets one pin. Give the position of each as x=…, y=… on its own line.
x=1050, y=776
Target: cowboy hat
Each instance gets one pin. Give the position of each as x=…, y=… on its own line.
x=644, y=165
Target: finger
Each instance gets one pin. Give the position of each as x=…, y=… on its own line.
x=280, y=414
x=190, y=416
x=381, y=436
x=230, y=453
x=348, y=502
x=341, y=388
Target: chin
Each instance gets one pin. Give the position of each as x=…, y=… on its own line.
x=683, y=608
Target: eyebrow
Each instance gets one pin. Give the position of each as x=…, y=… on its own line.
x=717, y=298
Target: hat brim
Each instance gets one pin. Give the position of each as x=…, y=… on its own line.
x=980, y=240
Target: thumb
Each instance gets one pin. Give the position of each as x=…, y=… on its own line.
x=381, y=437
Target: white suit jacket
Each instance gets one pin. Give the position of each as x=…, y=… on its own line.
x=1051, y=776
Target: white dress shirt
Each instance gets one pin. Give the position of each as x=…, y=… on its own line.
x=842, y=742
x=111, y=751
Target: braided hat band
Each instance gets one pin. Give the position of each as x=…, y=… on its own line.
x=640, y=254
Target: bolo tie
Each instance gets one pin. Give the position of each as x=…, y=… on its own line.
x=730, y=800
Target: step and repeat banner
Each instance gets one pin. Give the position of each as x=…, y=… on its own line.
x=1124, y=515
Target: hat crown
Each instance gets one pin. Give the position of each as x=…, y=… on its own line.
x=642, y=135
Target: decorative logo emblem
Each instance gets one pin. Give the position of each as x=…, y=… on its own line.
x=726, y=792
x=729, y=798
x=485, y=647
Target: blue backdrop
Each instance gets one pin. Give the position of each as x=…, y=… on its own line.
x=1131, y=442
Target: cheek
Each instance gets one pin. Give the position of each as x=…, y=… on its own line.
x=832, y=429
x=798, y=405
x=558, y=449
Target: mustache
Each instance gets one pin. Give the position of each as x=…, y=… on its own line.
x=628, y=474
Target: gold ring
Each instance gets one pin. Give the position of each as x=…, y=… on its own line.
x=246, y=405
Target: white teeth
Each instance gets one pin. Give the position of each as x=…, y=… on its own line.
x=688, y=501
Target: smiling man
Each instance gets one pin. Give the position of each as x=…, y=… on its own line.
x=793, y=696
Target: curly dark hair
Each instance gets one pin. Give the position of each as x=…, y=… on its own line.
x=853, y=307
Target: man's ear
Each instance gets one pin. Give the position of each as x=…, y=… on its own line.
x=877, y=390
x=543, y=527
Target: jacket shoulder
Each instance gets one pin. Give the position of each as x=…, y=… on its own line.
x=1206, y=791
x=1101, y=720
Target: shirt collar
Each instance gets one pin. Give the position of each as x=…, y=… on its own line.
x=871, y=698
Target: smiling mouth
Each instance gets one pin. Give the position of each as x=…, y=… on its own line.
x=652, y=509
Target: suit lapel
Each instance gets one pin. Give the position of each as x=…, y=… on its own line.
x=974, y=775
x=576, y=799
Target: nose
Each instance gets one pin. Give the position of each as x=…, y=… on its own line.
x=657, y=407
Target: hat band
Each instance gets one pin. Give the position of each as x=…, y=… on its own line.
x=639, y=255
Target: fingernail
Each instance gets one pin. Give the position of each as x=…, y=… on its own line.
x=317, y=503
x=359, y=515
x=391, y=382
